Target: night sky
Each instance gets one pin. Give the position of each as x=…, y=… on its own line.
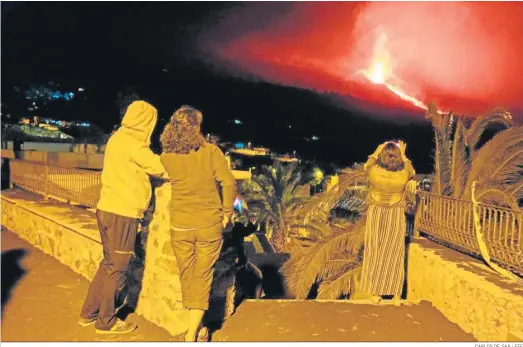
x=272, y=65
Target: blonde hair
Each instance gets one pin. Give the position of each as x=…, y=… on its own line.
x=390, y=158
x=182, y=134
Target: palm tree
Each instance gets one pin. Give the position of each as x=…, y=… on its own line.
x=273, y=197
x=332, y=264
x=460, y=159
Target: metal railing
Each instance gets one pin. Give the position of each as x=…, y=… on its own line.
x=451, y=222
x=70, y=184
x=73, y=185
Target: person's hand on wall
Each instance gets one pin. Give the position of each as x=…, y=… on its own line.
x=225, y=221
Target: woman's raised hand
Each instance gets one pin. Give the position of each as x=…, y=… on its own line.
x=379, y=150
x=403, y=147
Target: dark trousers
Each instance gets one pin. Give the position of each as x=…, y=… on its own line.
x=118, y=234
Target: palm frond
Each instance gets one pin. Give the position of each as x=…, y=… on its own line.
x=460, y=163
x=316, y=230
x=443, y=126
x=443, y=162
x=498, y=163
x=482, y=123
x=516, y=189
x=337, y=266
x=496, y=197
x=343, y=285
x=320, y=205
x=304, y=272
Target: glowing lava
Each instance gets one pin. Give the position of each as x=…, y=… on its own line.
x=465, y=56
x=380, y=72
x=377, y=73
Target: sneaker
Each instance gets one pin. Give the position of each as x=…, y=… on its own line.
x=86, y=322
x=120, y=327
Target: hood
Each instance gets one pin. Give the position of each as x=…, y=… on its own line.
x=140, y=120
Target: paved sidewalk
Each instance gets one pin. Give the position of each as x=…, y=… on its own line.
x=341, y=321
x=45, y=302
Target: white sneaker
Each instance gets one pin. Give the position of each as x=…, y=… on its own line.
x=120, y=327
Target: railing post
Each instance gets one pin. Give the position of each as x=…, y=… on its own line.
x=417, y=213
x=10, y=166
x=46, y=182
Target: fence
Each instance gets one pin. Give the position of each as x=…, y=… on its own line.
x=73, y=185
x=451, y=222
x=69, y=184
x=443, y=219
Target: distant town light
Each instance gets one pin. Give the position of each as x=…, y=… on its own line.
x=237, y=121
x=315, y=138
x=81, y=89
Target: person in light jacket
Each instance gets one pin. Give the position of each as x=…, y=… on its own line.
x=126, y=191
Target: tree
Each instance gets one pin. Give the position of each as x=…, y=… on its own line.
x=273, y=197
x=332, y=264
x=461, y=159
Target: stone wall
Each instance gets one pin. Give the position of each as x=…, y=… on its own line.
x=466, y=291
x=70, y=234
x=161, y=297
x=76, y=244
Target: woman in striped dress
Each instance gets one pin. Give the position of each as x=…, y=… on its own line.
x=383, y=272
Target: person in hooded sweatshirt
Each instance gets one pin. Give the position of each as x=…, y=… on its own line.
x=124, y=197
x=203, y=193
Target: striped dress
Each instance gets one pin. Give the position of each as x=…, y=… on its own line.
x=383, y=269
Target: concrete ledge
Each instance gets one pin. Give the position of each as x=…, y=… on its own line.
x=74, y=219
x=466, y=291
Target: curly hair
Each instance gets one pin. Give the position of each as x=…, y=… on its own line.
x=390, y=158
x=182, y=134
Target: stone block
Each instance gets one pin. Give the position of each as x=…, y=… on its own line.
x=48, y=246
x=471, y=295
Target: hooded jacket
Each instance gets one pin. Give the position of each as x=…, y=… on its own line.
x=128, y=163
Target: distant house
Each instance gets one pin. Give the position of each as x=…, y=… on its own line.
x=257, y=151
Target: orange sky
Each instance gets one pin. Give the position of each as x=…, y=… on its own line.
x=467, y=56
